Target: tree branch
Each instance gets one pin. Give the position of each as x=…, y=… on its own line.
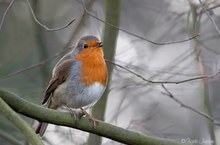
x=63, y=118
x=168, y=93
x=19, y=71
x=210, y=17
x=211, y=8
x=26, y=130
x=44, y=26
x=165, y=82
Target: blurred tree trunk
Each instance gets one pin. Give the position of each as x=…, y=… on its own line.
x=110, y=34
x=194, y=28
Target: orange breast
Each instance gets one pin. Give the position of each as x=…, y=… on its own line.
x=93, y=66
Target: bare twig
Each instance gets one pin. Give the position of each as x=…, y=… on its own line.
x=44, y=26
x=165, y=82
x=210, y=17
x=168, y=93
x=211, y=8
x=5, y=13
x=113, y=63
x=130, y=33
x=34, y=66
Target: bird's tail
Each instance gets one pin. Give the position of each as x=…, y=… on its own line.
x=41, y=128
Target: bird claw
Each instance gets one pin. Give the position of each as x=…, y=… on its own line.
x=73, y=113
x=91, y=119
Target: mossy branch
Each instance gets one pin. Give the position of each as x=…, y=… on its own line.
x=23, y=127
x=64, y=118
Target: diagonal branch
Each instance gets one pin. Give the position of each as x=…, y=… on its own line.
x=34, y=65
x=63, y=118
x=210, y=17
x=168, y=93
x=23, y=127
x=211, y=8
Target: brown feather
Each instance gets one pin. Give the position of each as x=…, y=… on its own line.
x=60, y=73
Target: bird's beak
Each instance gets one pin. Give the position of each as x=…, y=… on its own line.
x=100, y=44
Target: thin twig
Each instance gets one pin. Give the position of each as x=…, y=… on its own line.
x=113, y=63
x=165, y=82
x=130, y=33
x=168, y=93
x=5, y=13
x=210, y=17
x=34, y=66
x=44, y=26
x=211, y=8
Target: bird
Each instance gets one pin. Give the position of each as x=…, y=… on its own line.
x=78, y=80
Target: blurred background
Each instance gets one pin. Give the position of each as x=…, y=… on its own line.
x=129, y=101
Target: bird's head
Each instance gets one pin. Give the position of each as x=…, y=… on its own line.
x=89, y=46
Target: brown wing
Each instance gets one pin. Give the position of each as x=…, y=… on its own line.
x=60, y=73
x=64, y=58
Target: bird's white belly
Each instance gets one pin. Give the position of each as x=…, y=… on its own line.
x=88, y=97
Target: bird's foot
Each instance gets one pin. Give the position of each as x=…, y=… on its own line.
x=73, y=113
x=92, y=119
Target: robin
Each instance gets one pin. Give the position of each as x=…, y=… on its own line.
x=78, y=79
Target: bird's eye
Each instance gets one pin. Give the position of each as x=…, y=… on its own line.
x=85, y=46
